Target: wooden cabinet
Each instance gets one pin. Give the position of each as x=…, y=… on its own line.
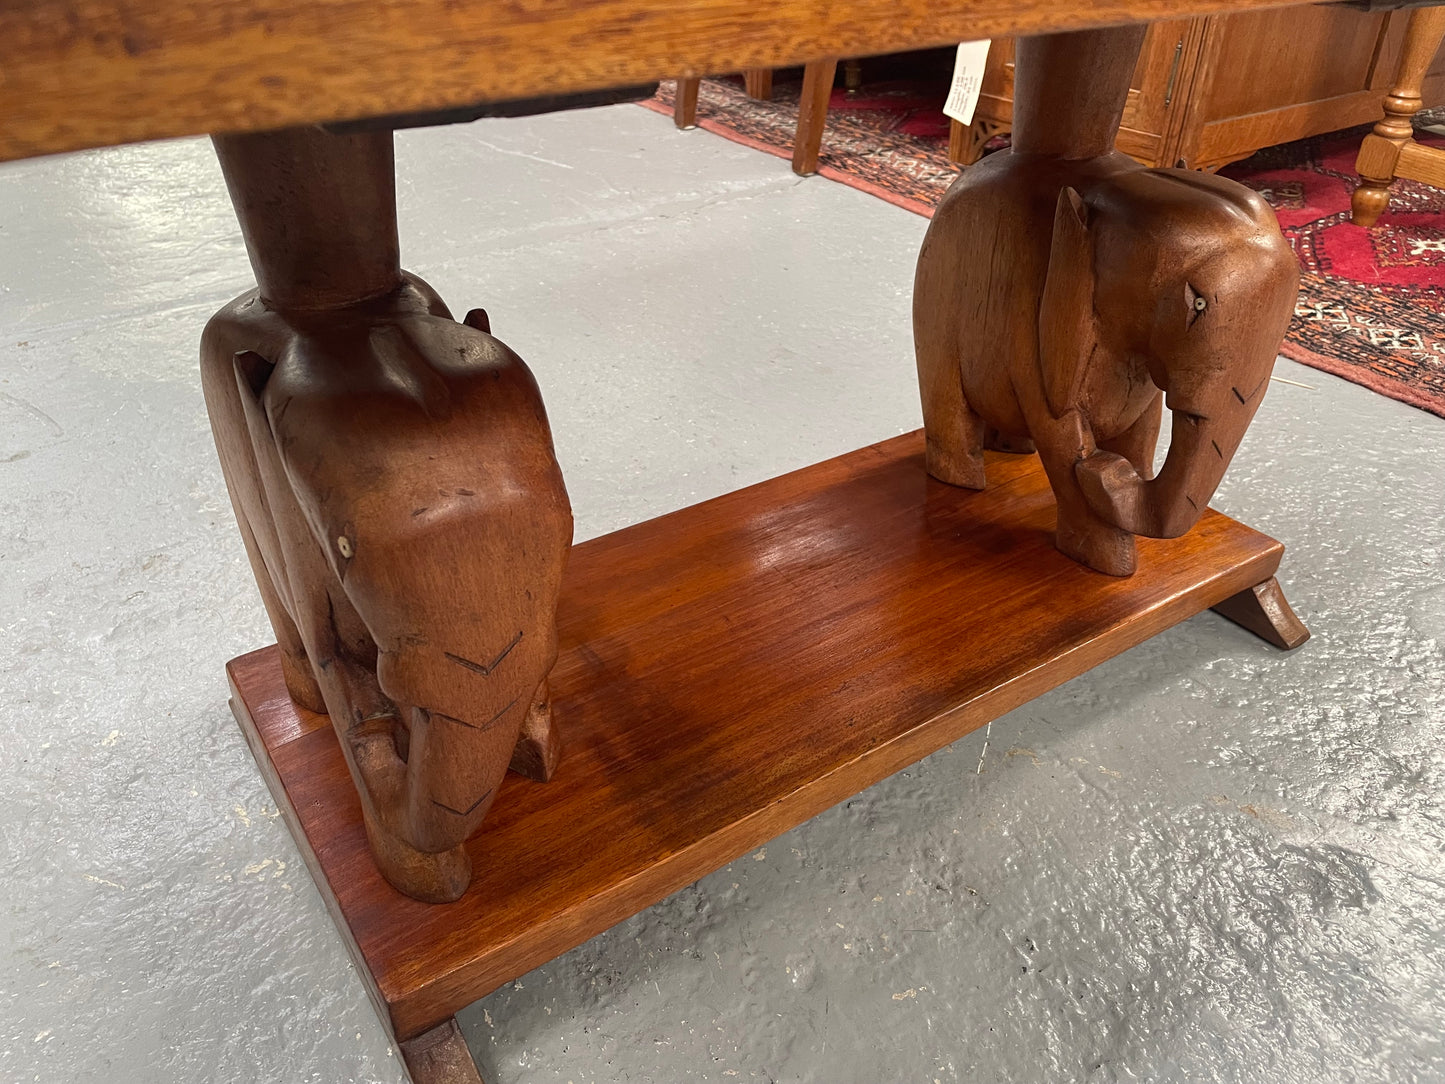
x=1212, y=90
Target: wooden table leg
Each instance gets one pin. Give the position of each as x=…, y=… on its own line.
x=758, y=83
x=1381, y=151
x=684, y=102
x=812, y=114
x=393, y=477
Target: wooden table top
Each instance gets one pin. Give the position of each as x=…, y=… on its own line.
x=86, y=73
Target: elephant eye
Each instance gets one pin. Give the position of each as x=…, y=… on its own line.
x=1194, y=305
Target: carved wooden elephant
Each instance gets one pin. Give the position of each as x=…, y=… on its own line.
x=394, y=478
x=1064, y=291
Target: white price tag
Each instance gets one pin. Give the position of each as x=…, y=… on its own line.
x=967, y=80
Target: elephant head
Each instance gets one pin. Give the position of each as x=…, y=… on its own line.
x=422, y=529
x=1180, y=280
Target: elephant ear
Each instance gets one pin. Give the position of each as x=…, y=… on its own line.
x=252, y=372
x=1067, y=329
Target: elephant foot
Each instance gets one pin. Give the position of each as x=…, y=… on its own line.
x=439, y=877
x=539, y=747
x=1101, y=547
x=301, y=682
x=955, y=466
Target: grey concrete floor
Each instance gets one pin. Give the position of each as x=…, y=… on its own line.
x=1203, y=861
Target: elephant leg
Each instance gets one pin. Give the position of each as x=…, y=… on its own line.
x=1081, y=533
x=955, y=434
x=1137, y=443
x=295, y=663
x=223, y=338
x=954, y=446
x=539, y=747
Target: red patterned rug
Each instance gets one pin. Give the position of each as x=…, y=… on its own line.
x=1372, y=302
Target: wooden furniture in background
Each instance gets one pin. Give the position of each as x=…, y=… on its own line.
x=726, y=672
x=1208, y=91
x=758, y=82
x=684, y=102
x=1390, y=151
x=818, y=76
x=1124, y=284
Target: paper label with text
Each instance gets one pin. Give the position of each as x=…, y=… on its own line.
x=967, y=80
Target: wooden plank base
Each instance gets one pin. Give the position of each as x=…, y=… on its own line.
x=726, y=672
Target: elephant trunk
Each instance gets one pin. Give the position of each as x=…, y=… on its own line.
x=1167, y=506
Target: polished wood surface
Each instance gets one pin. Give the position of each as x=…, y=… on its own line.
x=82, y=74
x=1390, y=151
x=393, y=478
x=1065, y=293
x=726, y=672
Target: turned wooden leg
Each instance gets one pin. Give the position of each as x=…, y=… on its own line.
x=394, y=474
x=1264, y=611
x=812, y=114
x=759, y=83
x=1380, y=152
x=440, y=1056
x=684, y=102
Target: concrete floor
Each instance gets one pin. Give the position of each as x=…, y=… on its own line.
x=1204, y=861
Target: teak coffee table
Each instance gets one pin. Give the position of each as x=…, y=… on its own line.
x=725, y=671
